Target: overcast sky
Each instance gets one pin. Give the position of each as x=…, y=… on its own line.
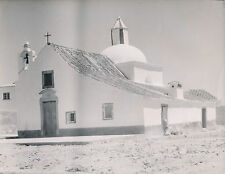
x=186, y=37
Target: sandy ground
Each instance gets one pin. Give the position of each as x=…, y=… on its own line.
x=198, y=152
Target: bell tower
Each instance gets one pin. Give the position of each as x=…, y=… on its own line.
x=119, y=33
x=26, y=56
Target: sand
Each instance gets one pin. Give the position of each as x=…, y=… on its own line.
x=196, y=152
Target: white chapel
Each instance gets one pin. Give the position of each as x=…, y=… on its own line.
x=64, y=91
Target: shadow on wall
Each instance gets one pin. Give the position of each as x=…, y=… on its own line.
x=8, y=123
x=220, y=115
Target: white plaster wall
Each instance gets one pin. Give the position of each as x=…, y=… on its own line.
x=176, y=92
x=220, y=115
x=90, y=95
x=7, y=105
x=128, y=107
x=68, y=90
x=141, y=73
x=211, y=114
x=148, y=77
x=126, y=37
x=84, y=95
x=27, y=102
x=116, y=37
x=184, y=115
x=180, y=93
x=152, y=116
x=30, y=84
x=75, y=92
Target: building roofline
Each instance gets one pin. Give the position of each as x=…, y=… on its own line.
x=113, y=77
x=7, y=85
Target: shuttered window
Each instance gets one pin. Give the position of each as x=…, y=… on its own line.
x=6, y=96
x=70, y=117
x=48, y=79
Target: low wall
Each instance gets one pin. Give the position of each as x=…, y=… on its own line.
x=181, y=118
x=8, y=123
x=220, y=115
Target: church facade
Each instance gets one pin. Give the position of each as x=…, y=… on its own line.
x=70, y=92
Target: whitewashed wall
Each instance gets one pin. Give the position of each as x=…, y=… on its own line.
x=66, y=85
x=148, y=77
x=142, y=73
x=152, y=116
x=127, y=106
x=7, y=105
x=220, y=115
x=75, y=92
x=84, y=95
x=211, y=114
x=184, y=115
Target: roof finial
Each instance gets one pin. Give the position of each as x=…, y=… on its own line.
x=119, y=24
x=47, y=35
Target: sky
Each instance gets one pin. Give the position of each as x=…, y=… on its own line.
x=185, y=37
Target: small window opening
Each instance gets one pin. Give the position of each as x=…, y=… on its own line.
x=48, y=79
x=70, y=117
x=107, y=111
x=121, y=37
x=6, y=96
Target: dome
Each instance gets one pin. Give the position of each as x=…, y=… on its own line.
x=124, y=53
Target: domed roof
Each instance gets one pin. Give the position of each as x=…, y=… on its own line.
x=124, y=53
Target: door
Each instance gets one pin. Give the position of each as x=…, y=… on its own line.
x=164, y=118
x=49, y=118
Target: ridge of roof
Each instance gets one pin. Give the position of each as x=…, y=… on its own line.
x=200, y=95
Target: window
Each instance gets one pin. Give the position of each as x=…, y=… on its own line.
x=107, y=111
x=6, y=96
x=121, y=37
x=48, y=79
x=70, y=117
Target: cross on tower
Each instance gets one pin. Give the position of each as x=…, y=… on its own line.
x=47, y=35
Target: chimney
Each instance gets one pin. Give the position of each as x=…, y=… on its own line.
x=176, y=89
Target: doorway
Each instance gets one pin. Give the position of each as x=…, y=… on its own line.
x=49, y=118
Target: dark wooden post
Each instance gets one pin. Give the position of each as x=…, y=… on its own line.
x=204, y=118
x=164, y=118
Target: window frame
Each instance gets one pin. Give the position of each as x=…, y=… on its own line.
x=103, y=111
x=43, y=79
x=68, y=117
x=6, y=96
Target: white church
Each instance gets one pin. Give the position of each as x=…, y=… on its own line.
x=70, y=92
